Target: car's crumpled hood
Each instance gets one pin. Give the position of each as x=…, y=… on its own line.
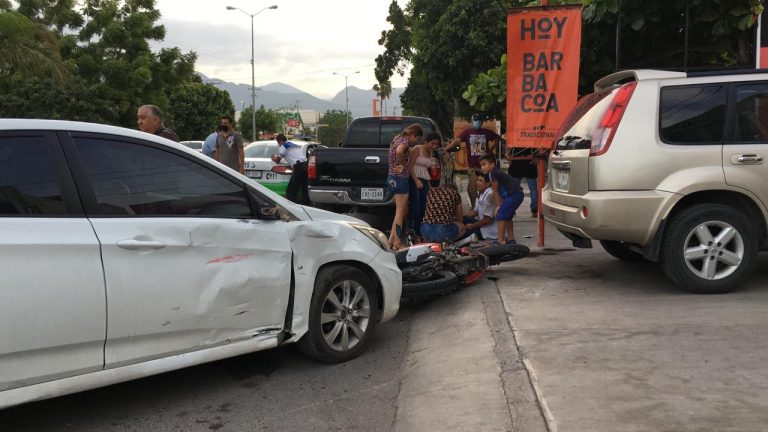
x=317, y=214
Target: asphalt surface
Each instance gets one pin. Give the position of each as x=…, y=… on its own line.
x=275, y=390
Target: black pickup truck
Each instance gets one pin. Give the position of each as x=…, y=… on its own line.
x=353, y=178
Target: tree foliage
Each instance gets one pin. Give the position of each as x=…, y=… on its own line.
x=109, y=68
x=451, y=42
x=266, y=121
x=333, y=127
x=454, y=47
x=196, y=110
x=28, y=48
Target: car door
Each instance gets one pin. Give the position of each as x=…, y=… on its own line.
x=187, y=264
x=52, y=300
x=745, y=153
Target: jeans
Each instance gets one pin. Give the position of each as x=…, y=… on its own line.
x=533, y=186
x=417, y=205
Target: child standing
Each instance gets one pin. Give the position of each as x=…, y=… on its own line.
x=507, y=195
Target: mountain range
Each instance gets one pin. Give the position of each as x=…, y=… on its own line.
x=278, y=95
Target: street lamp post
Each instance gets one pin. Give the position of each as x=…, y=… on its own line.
x=346, y=91
x=253, y=66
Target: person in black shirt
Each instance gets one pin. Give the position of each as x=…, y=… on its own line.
x=506, y=194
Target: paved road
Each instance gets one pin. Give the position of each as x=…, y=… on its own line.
x=615, y=346
x=275, y=390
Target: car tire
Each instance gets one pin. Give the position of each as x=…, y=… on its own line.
x=694, y=259
x=343, y=315
x=619, y=249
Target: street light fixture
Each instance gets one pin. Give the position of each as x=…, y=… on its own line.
x=253, y=66
x=346, y=91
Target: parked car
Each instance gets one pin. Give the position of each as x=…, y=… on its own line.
x=668, y=166
x=258, y=163
x=125, y=255
x=194, y=145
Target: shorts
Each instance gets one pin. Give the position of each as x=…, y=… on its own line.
x=397, y=185
x=439, y=232
x=509, y=205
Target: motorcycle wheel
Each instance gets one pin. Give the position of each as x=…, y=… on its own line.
x=442, y=282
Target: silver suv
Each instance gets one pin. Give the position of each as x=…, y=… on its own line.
x=667, y=166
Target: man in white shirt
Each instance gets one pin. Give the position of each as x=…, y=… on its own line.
x=294, y=155
x=480, y=220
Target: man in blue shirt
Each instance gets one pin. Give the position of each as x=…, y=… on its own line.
x=209, y=145
x=294, y=155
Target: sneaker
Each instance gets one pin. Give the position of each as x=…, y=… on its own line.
x=534, y=214
x=511, y=242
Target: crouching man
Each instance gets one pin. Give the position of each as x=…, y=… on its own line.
x=481, y=220
x=443, y=218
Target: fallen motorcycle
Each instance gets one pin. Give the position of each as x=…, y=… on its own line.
x=432, y=269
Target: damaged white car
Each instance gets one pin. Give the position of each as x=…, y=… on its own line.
x=125, y=255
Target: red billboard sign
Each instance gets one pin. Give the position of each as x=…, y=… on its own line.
x=543, y=46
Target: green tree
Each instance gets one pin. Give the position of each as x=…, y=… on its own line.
x=105, y=46
x=28, y=48
x=333, y=127
x=266, y=121
x=195, y=110
x=447, y=43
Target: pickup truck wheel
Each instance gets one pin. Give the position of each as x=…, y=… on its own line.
x=342, y=316
x=709, y=249
x=619, y=249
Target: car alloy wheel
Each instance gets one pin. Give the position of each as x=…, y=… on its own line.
x=714, y=250
x=346, y=315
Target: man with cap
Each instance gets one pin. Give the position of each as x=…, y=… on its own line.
x=478, y=141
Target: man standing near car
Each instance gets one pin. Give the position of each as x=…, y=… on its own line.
x=149, y=119
x=478, y=142
x=229, y=146
x=294, y=155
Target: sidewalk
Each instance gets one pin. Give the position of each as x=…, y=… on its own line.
x=463, y=370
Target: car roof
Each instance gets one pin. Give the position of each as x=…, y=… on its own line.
x=657, y=74
x=65, y=125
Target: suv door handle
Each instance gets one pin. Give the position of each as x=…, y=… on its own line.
x=132, y=244
x=372, y=159
x=749, y=158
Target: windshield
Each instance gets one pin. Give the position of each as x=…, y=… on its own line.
x=260, y=150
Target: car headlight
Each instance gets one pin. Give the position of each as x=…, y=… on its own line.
x=375, y=235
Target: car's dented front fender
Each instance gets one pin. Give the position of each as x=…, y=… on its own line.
x=319, y=243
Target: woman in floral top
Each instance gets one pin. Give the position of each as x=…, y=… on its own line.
x=397, y=180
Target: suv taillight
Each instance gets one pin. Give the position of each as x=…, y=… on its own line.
x=312, y=167
x=603, y=134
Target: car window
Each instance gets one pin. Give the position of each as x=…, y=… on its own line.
x=261, y=150
x=576, y=131
x=133, y=179
x=363, y=134
x=29, y=185
x=389, y=131
x=752, y=113
x=693, y=114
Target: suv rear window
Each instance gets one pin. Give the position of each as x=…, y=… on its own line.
x=693, y=114
x=576, y=131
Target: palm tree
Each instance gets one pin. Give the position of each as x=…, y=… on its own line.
x=28, y=48
x=383, y=91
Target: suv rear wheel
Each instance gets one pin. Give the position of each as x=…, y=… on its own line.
x=709, y=248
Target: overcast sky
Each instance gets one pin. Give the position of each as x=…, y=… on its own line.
x=301, y=43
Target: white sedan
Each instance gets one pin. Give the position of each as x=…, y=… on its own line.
x=125, y=255
x=258, y=163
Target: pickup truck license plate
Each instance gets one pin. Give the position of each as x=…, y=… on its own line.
x=561, y=181
x=371, y=194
